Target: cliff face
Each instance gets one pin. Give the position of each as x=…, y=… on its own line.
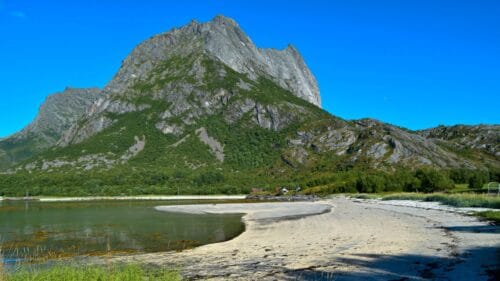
x=224, y=40
x=55, y=116
x=58, y=112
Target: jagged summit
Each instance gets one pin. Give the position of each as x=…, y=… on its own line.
x=223, y=39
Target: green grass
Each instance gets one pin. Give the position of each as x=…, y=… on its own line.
x=490, y=215
x=92, y=273
x=456, y=200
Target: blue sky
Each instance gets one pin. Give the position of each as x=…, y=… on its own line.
x=416, y=64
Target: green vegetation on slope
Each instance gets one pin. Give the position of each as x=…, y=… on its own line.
x=18, y=150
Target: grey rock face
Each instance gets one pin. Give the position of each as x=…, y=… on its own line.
x=239, y=108
x=90, y=161
x=275, y=117
x=215, y=147
x=167, y=128
x=383, y=143
x=135, y=149
x=226, y=41
x=378, y=150
x=482, y=137
x=56, y=115
x=77, y=134
x=223, y=39
x=407, y=147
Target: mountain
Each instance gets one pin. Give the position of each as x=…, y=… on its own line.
x=55, y=116
x=201, y=107
x=485, y=138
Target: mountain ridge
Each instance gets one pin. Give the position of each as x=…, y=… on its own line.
x=201, y=105
x=55, y=115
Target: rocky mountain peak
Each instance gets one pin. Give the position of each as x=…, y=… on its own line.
x=224, y=21
x=223, y=39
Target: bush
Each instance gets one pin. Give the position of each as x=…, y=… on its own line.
x=432, y=180
x=370, y=183
x=478, y=179
x=209, y=178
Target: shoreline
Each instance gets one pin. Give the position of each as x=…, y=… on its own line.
x=354, y=241
x=125, y=198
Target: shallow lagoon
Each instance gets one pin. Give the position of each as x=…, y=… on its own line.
x=44, y=231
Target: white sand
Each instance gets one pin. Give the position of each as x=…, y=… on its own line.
x=254, y=211
x=149, y=197
x=357, y=240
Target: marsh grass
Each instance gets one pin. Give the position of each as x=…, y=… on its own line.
x=2, y=272
x=35, y=269
x=490, y=215
x=91, y=273
x=456, y=200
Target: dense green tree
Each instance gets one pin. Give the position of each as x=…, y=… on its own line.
x=478, y=179
x=433, y=180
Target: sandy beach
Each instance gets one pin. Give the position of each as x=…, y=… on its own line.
x=340, y=239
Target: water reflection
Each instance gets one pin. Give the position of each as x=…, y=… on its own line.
x=53, y=230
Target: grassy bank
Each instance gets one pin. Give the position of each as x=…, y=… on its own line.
x=490, y=215
x=455, y=200
x=92, y=273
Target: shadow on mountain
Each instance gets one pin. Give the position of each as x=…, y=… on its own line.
x=409, y=267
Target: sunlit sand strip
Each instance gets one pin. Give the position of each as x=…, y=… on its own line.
x=169, y=197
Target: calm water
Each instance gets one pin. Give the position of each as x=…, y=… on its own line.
x=52, y=230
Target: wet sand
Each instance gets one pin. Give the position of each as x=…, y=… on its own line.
x=340, y=239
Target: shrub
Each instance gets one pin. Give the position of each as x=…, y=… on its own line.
x=432, y=180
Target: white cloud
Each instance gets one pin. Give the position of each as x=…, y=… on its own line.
x=18, y=14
